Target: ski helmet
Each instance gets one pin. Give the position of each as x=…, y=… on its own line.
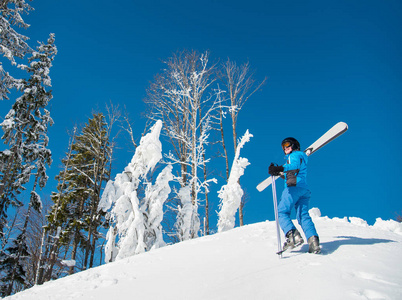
x=291, y=142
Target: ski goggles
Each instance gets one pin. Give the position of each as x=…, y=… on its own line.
x=286, y=145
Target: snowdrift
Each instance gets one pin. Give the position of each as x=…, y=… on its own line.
x=358, y=261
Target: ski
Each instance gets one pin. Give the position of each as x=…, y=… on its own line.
x=281, y=251
x=297, y=251
x=337, y=130
x=284, y=250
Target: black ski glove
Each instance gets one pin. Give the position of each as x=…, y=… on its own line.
x=275, y=170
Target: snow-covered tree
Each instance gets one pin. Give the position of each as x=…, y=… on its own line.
x=12, y=44
x=231, y=193
x=11, y=268
x=25, y=132
x=184, y=99
x=135, y=222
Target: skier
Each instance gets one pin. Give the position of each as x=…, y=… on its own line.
x=295, y=194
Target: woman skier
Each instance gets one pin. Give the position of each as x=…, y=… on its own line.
x=295, y=194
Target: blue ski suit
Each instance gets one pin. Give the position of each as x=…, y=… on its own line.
x=296, y=194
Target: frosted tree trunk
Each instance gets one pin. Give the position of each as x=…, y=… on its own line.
x=185, y=214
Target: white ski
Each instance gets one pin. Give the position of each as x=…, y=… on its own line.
x=337, y=130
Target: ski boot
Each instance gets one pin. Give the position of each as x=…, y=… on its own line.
x=293, y=239
x=314, y=244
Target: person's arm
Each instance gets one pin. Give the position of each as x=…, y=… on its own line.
x=294, y=162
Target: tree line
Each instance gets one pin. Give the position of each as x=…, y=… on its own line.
x=197, y=103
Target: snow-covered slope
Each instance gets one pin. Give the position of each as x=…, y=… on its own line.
x=357, y=262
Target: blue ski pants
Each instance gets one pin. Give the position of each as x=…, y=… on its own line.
x=298, y=198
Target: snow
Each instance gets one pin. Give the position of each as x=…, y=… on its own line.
x=68, y=263
x=357, y=262
x=390, y=225
x=8, y=122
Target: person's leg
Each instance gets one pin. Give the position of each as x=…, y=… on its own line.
x=293, y=237
x=302, y=215
x=285, y=206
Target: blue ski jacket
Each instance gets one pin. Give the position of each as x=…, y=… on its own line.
x=295, y=169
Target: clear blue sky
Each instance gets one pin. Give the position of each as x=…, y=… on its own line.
x=326, y=61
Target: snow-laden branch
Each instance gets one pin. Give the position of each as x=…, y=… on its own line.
x=231, y=193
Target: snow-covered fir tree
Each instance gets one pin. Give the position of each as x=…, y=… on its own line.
x=231, y=193
x=25, y=131
x=134, y=220
x=12, y=44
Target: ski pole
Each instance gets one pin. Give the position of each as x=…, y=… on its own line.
x=278, y=232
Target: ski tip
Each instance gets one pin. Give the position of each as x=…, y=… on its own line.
x=343, y=124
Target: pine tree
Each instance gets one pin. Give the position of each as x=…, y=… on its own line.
x=74, y=218
x=10, y=267
x=50, y=242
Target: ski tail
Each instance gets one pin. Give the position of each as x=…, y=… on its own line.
x=337, y=130
x=266, y=183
